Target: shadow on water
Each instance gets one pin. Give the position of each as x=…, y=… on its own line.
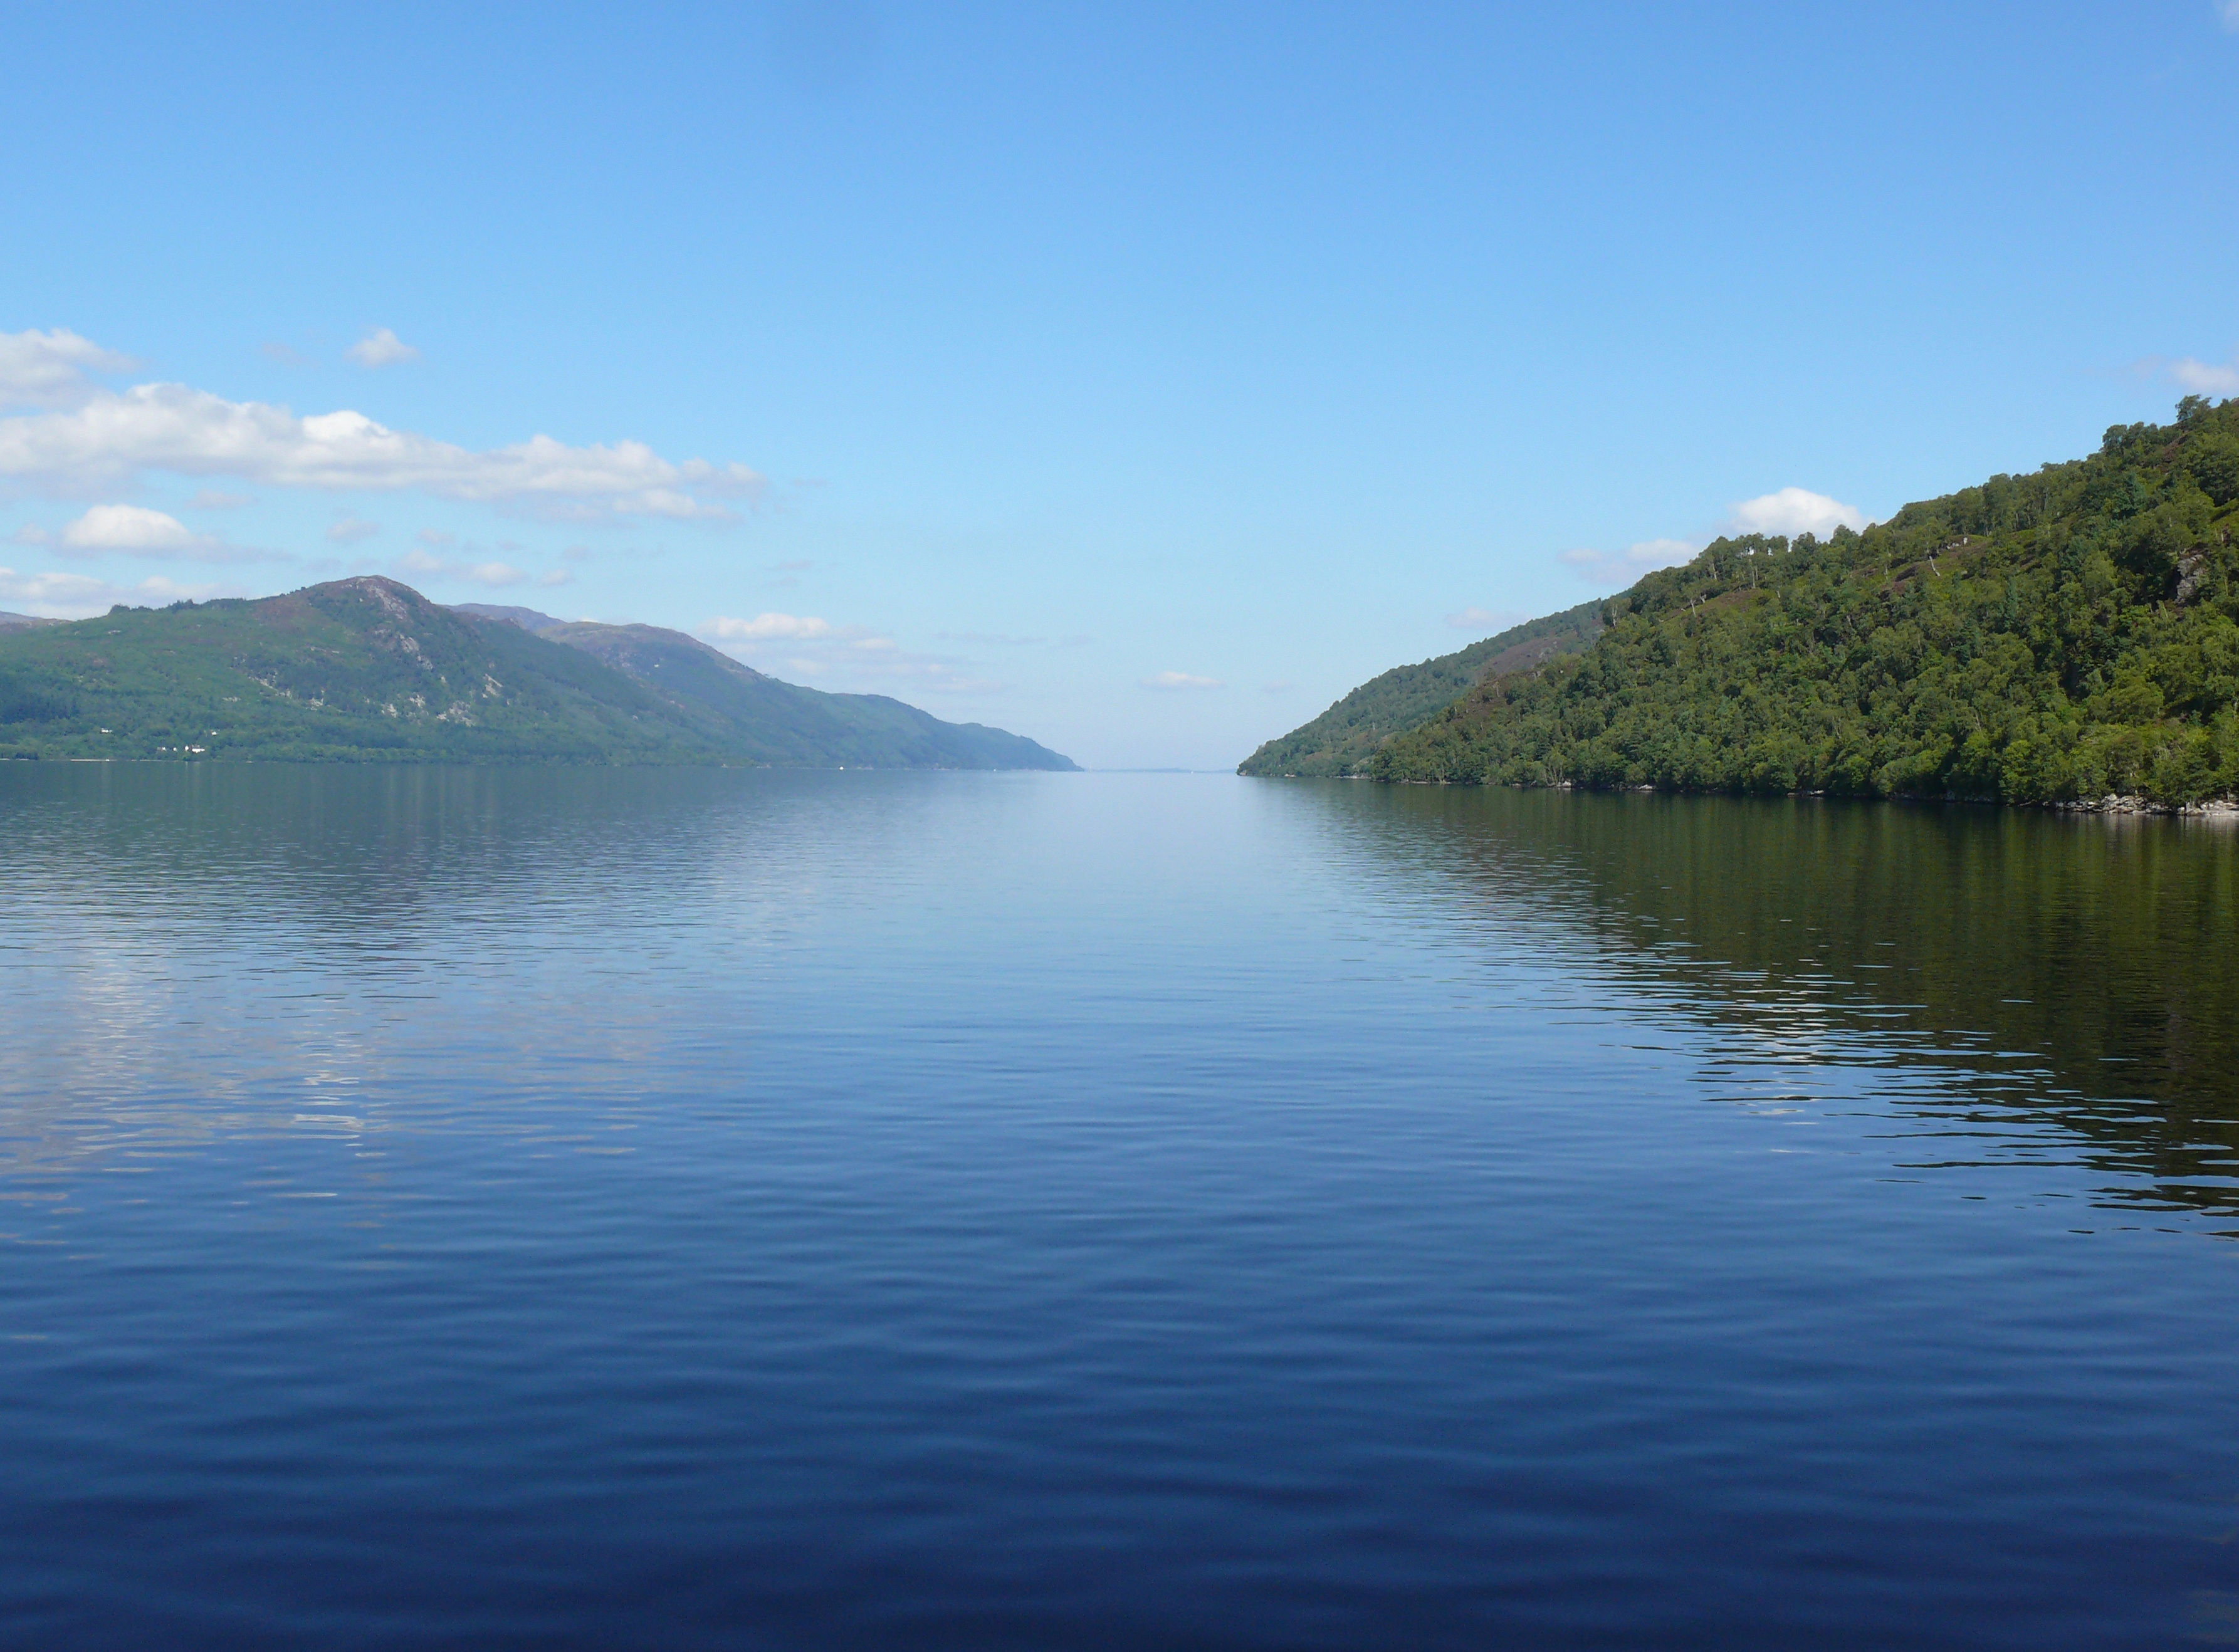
x=2039, y=972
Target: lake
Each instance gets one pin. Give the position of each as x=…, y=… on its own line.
x=549, y=1208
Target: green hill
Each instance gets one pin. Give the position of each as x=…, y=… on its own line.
x=367, y=669
x=1343, y=738
x=2064, y=636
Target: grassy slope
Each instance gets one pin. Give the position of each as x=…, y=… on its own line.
x=2065, y=635
x=1343, y=738
x=360, y=668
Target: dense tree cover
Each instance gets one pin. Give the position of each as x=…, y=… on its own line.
x=2068, y=635
x=369, y=670
x=1347, y=735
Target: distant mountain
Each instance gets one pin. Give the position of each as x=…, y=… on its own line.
x=528, y=619
x=368, y=669
x=22, y=621
x=1343, y=739
x=778, y=723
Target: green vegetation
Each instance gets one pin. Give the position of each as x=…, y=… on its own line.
x=2066, y=636
x=369, y=670
x=1345, y=737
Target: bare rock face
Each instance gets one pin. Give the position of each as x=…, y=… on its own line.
x=2191, y=573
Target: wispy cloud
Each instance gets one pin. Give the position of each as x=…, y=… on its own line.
x=2228, y=10
x=382, y=347
x=419, y=563
x=765, y=628
x=87, y=438
x=1180, y=679
x=78, y=595
x=806, y=645
x=48, y=370
x=1474, y=619
x=2206, y=378
x=352, y=530
x=1629, y=564
x=213, y=499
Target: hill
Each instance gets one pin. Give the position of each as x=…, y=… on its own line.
x=2066, y=636
x=367, y=669
x=1343, y=738
x=781, y=723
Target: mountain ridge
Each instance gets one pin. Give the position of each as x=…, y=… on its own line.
x=367, y=669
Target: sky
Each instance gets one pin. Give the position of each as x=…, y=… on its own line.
x=1138, y=378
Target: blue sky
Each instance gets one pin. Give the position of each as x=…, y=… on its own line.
x=1138, y=378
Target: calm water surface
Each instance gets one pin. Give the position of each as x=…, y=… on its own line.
x=492, y=1209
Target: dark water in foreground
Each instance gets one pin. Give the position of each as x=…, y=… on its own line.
x=515, y=1208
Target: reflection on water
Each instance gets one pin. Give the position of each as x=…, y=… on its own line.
x=2051, y=984
x=610, y=1208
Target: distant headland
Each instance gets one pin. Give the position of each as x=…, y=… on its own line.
x=369, y=670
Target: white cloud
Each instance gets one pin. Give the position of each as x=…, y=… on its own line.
x=382, y=347
x=78, y=595
x=134, y=530
x=494, y=573
x=92, y=438
x=1796, y=510
x=766, y=626
x=48, y=369
x=351, y=529
x=553, y=576
x=2204, y=378
x=130, y=527
x=1475, y=619
x=1180, y=679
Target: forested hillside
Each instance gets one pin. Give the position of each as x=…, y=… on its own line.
x=2066, y=635
x=1347, y=735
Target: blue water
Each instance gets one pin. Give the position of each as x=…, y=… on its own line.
x=493, y=1209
